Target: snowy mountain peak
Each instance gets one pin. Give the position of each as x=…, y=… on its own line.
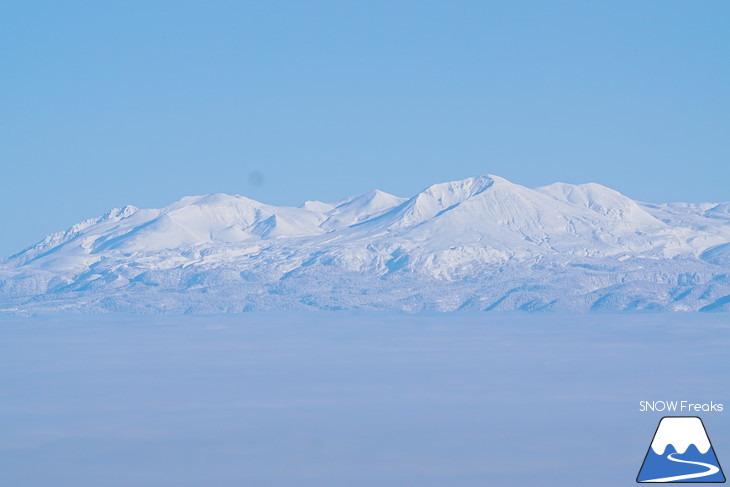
x=371, y=199
x=317, y=206
x=212, y=200
x=361, y=208
x=601, y=199
x=438, y=198
x=454, y=192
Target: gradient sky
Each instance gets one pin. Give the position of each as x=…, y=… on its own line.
x=142, y=103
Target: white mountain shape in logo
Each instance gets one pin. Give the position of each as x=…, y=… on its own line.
x=680, y=433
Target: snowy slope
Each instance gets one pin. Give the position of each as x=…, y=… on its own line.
x=479, y=243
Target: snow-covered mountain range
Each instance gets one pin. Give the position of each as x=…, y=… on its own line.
x=482, y=243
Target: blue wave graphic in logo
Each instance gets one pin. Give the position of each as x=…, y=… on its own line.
x=691, y=466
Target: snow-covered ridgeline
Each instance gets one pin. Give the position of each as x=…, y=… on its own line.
x=477, y=236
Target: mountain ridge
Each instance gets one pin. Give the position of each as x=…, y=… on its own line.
x=478, y=243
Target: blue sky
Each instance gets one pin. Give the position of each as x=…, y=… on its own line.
x=144, y=102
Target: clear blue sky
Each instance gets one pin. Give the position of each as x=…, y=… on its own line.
x=104, y=104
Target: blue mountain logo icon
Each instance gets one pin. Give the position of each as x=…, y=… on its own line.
x=681, y=452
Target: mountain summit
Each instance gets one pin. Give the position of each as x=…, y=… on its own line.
x=480, y=243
